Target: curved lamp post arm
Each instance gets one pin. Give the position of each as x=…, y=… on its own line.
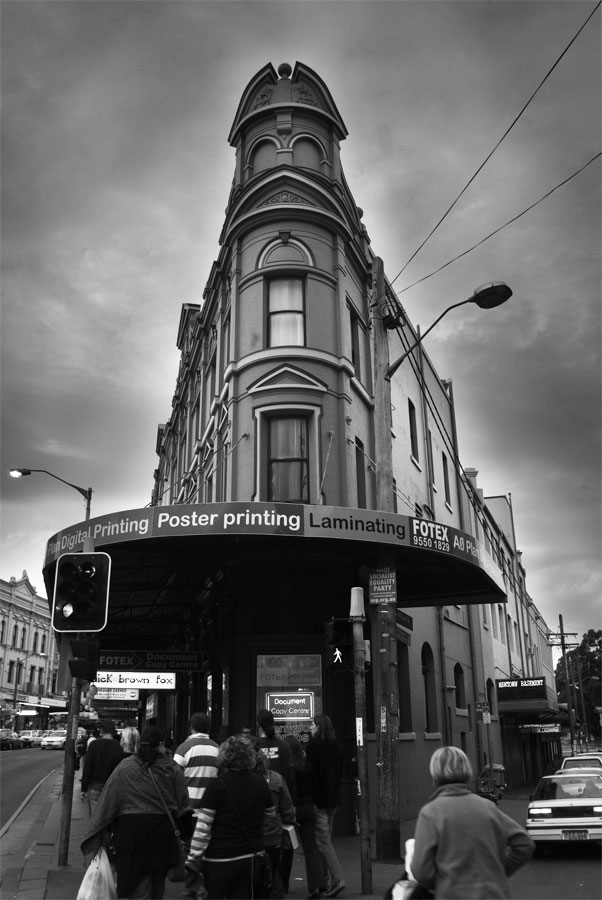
x=486, y=297
x=85, y=492
x=395, y=365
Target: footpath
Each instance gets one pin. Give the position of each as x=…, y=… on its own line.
x=29, y=845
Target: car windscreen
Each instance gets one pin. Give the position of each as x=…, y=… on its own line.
x=589, y=763
x=584, y=788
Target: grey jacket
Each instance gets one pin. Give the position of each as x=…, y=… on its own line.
x=465, y=847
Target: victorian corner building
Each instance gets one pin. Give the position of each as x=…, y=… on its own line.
x=292, y=470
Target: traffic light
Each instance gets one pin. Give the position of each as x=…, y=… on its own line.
x=81, y=592
x=339, y=644
x=86, y=658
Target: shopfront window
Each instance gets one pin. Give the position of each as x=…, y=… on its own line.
x=291, y=687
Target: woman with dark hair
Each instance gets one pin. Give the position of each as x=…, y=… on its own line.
x=228, y=837
x=131, y=809
x=273, y=826
x=276, y=749
x=464, y=846
x=326, y=755
x=305, y=779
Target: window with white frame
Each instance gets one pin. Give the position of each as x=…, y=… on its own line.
x=288, y=459
x=288, y=453
x=286, y=312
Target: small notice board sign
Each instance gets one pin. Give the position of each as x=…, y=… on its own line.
x=291, y=706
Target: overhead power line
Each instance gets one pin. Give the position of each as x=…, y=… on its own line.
x=490, y=154
x=497, y=230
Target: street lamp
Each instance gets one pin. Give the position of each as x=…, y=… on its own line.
x=74, y=702
x=85, y=492
x=488, y=296
x=384, y=617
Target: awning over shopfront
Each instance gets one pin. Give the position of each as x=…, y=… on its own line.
x=167, y=560
x=527, y=700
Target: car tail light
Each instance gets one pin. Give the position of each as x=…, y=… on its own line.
x=540, y=811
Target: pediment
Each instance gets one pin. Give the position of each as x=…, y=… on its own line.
x=287, y=378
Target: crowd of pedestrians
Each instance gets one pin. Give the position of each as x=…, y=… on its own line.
x=251, y=797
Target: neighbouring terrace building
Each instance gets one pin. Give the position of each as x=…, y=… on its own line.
x=28, y=657
x=291, y=470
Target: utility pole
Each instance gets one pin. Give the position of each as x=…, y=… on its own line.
x=584, y=725
x=569, y=696
x=383, y=620
x=357, y=617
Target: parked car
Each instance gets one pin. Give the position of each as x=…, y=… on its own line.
x=31, y=738
x=584, y=759
x=55, y=740
x=566, y=807
x=9, y=740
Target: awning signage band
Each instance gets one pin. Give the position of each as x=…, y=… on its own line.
x=281, y=519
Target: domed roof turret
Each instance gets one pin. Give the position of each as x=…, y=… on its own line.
x=271, y=90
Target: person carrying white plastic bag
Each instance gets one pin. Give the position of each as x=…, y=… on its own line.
x=99, y=882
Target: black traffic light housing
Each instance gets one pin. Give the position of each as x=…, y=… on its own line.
x=81, y=592
x=86, y=658
x=339, y=644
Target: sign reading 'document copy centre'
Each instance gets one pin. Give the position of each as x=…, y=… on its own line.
x=290, y=707
x=283, y=519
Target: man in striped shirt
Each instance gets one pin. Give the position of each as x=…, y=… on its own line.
x=198, y=758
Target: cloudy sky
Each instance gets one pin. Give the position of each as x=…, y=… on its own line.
x=115, y=175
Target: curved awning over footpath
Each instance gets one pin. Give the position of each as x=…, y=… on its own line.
x=167, y=559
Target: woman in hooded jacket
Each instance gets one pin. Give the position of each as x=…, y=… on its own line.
x=131, y=814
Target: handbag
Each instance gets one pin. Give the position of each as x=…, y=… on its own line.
x=98, y=882
x=261, y=864
x=408, y=889
x=176, y=873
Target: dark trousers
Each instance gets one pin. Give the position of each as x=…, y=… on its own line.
x=229, y=879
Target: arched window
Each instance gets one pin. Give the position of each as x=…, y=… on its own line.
x=306, y=154
x=43, y=647
x=263, y=157
x=460, y=687
x=430, y=689
x=34, y=649
x=23, y=637
x=2, y=631
x=15, y=635
x=405, y=699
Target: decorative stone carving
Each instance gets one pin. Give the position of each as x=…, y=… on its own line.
x=303, y=94
x=264, y=98
x=285, y=197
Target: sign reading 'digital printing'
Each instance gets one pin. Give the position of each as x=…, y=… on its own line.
x=291, y=707
x=148, y=681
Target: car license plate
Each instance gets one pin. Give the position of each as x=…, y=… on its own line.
x=575, y=835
